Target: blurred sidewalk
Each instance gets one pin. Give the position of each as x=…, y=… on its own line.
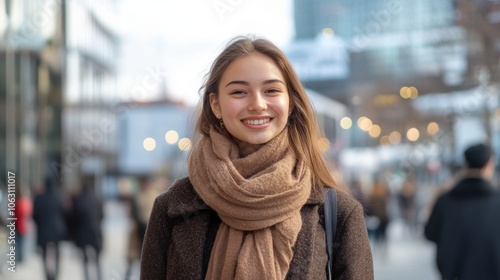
x=408, y=256
x=113, y=262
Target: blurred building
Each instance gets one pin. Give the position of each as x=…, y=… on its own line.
x=399, y=40
x=57, y=87
x=481, y=20
x=400, y=51
x=90, y=95
x=154, y=138
x=352, y=19
x=322, y=61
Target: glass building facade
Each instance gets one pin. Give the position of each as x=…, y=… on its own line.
x=57, y=86
x=349, y=19
x=435, y=47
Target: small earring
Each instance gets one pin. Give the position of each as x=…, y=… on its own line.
x=221, y=123
x=217, y=116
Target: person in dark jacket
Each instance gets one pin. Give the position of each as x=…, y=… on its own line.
x=49, y=216
x=465, y=222
x=87, y=215
x=251, y=207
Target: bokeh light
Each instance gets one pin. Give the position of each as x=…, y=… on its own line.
x=395, y=137
x=364, y=123
x=405, y=92
x=171, y=137
x=408, y=92
x=375, y=131
x=185, y=144
x=149, y=144
x=432, y=128
x=384, y=140
x=413, y=92
x=413, y=134
x=346, y=123
x=327, y=32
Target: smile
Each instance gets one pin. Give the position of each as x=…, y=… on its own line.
x=257, y=122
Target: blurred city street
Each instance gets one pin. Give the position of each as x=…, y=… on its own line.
x=113, y=262
x=100, y=101
x=407, y=257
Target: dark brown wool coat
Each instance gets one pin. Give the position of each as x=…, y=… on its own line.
x=182, y=230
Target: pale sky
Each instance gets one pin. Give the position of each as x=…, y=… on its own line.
x=180, y=38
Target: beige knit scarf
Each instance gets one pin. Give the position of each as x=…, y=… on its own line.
x=258, y=198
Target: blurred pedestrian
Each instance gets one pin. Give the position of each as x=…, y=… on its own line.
x=141, y=205
x=87, y=215
x=49, y=216
x=378, y=208
x=465, y=221
x=22, y=213
x=358, y=193
x=407, y=203
x=250, y=208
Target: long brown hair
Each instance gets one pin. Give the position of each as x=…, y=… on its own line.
x=303, y=131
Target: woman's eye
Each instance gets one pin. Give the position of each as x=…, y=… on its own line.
x=237, y=92
x=273, y=90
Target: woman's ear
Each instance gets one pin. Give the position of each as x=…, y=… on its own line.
x=214, y=104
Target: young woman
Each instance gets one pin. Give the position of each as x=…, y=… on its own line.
x=251, y=207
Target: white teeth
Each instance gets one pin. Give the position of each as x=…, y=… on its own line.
x=257, y=122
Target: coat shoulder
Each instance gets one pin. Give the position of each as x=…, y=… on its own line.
x=181, y=199
x=182, y=188
x=346, y=203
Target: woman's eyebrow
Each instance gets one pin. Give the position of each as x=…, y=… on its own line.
x=238, y=83
x=245, y=83
x=273, y=81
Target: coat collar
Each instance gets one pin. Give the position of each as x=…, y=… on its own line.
x=183, y=199
x=471, y=186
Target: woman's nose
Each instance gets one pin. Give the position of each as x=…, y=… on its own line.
x=257, y=102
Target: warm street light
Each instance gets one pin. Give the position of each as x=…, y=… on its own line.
x=432, y=128
x=413, y=134
x=171, y=137
x=184, y=144
x=364, y=123
x=346, y=123
x=149, y=144
x=374, y=131
x=395, y=137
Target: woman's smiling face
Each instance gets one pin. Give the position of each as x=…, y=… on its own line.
x=253, y=99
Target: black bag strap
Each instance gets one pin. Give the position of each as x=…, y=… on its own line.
x=330, y=209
